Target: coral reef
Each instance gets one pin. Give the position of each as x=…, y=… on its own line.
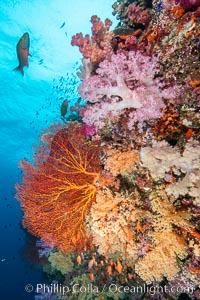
x=121, y=184
x=86, y=69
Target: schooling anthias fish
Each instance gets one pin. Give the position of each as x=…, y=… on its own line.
x=23, y=52
x=63, y=108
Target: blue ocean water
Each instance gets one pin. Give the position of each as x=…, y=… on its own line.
x=27, y=105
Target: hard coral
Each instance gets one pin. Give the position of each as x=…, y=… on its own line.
x=57, y=192
x=98, y=46
x=126, y=82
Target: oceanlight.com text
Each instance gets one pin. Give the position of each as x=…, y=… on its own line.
x=59, y=289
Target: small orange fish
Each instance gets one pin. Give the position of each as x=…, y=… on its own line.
x=189, y=134
x=78, y=259
x=23, y=52
x=194, y=270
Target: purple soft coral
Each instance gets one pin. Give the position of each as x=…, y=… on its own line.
x=188, y=4
x=125, y=82
x=44, y=250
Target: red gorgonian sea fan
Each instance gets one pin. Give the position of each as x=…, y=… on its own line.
x=56, y=192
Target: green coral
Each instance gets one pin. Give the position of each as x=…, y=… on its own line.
x=79, y=283
x=61, y=262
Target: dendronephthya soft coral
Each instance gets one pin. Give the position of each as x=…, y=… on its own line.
x=128, y=81
x=98, y=46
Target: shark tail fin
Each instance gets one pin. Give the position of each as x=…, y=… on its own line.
x=19, y=69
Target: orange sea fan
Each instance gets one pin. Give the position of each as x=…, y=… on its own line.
x=57, y=192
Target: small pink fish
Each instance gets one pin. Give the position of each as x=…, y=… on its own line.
x=23, y=52
x=90, y=264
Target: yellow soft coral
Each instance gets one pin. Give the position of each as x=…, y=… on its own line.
x=162, y=260
x=165, y=213
x=121, y=162
x=148, y=239
x=109, y=222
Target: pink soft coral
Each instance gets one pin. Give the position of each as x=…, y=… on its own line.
x=137, y=15
x=98, y=46
x=87, y=130
x=127, y=81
